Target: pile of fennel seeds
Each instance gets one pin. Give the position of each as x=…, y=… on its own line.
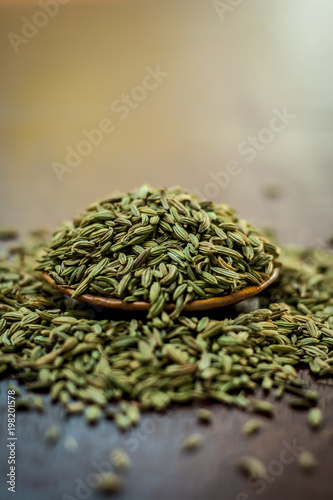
x=88, y=365
x=158, y=246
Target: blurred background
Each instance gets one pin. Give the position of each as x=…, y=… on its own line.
x=232, y=99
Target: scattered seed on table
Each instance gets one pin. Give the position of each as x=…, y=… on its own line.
x=120, y=458
x=93, y=413
x=252, y=427
x=204, y=415
x=110, y=482
x=315, y=418
x=70, y=444
x=263, y=407
x=192, y=442
x=251, y=467
x=52, y=434
x=307, y=461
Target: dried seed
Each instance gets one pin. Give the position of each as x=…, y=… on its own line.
x=251, y=467
x=192, y=442
x=123, y=422
x=262, y=407
x=120, y=459
x=52, y=434
x=70, y=444
x=307, y=461
x=109, y=482
x=252, y=427
x=204, y=415
x=165, y=357
x=92, y=414
x=315, y=418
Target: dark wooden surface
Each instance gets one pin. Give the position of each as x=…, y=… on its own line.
x=159, y=469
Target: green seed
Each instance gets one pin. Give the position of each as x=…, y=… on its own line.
x=125, y=238
x=315, y=418
x=110, y=482
x=263, y=407
x=123, y=422
x=52, y=434
x=120, y=459
x=152, y=361
x=252, y=427
x=92, y=414
x=251, y=467
x=299, y=403
x=71, y=444
x=192, y=442
x=204, y=415
x=307, y=461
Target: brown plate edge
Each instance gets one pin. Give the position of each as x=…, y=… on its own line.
x=196, y=305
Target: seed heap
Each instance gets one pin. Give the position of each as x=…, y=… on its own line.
x=158, y=246
x=87, y=364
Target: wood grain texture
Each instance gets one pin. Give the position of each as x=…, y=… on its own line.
x=160, y=470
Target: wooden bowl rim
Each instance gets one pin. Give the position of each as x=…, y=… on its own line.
x=195, y=305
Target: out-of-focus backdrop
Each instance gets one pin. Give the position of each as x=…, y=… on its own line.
x=231, y=99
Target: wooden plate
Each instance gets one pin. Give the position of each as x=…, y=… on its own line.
x=195, y=305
